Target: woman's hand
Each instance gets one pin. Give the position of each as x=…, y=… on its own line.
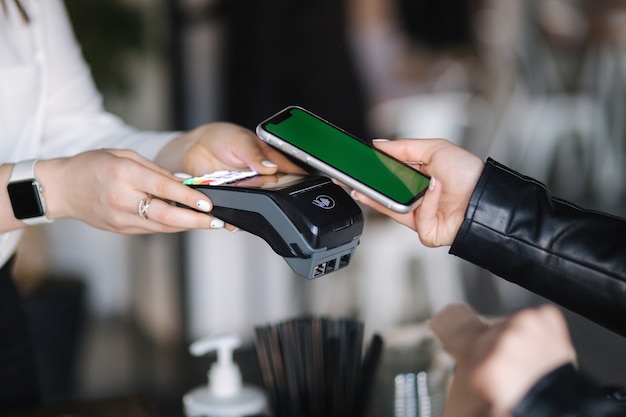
x=120, y=191
x=498, y=362
x=104, y=189
x=217, y=146
x=454, y=173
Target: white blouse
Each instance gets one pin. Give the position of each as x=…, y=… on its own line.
x=49, y=105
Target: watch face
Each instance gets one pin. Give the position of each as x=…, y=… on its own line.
x=25, y=199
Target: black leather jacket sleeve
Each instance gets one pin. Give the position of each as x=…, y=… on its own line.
x=566, y=393
x=516, y=229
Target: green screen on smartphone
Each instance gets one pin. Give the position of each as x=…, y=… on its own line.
x=349, y=155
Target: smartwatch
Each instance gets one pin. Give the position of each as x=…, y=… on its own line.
x=26, y=194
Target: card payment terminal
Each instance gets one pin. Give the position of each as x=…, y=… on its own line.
x=310, y=221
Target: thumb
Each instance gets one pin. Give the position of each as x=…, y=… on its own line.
x=457, y=326
x=426, y=215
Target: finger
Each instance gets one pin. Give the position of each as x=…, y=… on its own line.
x=551, y=314
x=173, y=191
x=262, y=158
x=555, y=320
x=231, y=228
x=457, y=326
x=426, y=213
x=165, y=217
x=281, y=162
x=163, y=185
x=169, y=188
x=408, y=150
x=256, y=158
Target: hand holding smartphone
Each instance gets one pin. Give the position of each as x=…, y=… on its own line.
x=342, y=156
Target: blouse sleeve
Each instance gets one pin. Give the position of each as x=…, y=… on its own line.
x=74, y=117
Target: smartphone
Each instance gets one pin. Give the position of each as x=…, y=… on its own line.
x=338, y=154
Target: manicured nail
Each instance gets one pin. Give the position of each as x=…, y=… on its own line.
x=432, y=184
x=380, y=140
x=217, y=224
x=235, y=230
x=182, y=175
x=353, y=195
x=203, y=205
x=269, y=164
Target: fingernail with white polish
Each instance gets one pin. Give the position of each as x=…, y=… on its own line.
x=235, y=230
x=269, y=164
x=217, y=224
x=353, y=195
x=432, y=184
x=203, y=205
x=380, y=140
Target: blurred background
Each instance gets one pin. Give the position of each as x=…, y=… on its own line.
x=539, y=85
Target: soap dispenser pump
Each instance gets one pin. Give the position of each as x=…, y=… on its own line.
x=225, y=395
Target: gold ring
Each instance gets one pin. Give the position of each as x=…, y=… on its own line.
x=144, y=203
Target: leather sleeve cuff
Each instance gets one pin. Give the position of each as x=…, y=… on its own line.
x=517, y=230
x=566, y=392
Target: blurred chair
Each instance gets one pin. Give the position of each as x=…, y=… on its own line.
x=432, y=115
x=561, y=119
x=566, y=116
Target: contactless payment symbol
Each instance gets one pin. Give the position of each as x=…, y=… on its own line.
x=324, y=202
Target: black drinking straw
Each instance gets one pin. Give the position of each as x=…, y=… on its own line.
x=366, y=374
x=313, y=366
x=264, y=358
x=291, y=366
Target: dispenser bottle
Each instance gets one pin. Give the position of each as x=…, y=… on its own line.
x=224, y=395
